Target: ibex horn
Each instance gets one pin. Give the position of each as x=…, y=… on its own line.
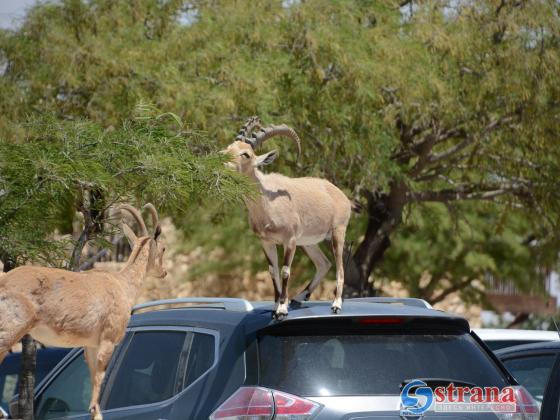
x=271, y=131
x=248, y=127
x=154, y=214
x=137, y=216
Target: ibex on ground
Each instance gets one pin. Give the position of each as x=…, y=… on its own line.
x=89, y=309
x=291, y=212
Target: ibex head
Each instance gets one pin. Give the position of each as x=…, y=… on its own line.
x=156, y=248
x=242, y=150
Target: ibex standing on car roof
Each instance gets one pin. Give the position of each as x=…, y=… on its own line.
x=90, y=309
x=291, y=212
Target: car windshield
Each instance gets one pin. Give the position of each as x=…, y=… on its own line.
x=334, y=365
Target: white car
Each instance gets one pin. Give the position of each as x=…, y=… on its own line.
x=500, y=338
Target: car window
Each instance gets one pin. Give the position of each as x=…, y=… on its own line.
x=11, y=366
x=9, y=374
x=68, y=394
x=149, y=370
x=8, y=386
x=370, y=364
x=532, y=372
x=501, y=344
x=201, y=357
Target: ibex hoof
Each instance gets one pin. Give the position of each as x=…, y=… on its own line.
x=295, y=303
x=279, y=316
x=335, y=310
x=95, y=414
x=300, y=298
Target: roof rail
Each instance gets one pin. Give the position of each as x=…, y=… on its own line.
x=419, y=303
x=229, y=304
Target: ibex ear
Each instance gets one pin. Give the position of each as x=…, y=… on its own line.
x=157, y=232
x=266, y=159
x=130, y=235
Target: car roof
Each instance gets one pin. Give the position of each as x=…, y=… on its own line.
x=354, y=307
x=543, y=346
x=258, y=314
x=497, y=334
x=42, y=352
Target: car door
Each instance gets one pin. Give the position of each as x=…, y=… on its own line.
x=550, y=409
x=153, y=366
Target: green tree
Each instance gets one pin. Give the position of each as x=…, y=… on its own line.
x=64, y=167
x=477, y=242
x=438, y=102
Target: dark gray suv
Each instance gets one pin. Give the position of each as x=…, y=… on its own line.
x=225, y=358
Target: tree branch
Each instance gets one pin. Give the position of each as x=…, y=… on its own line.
x=74, y=263
x=457, y=131
x=424, y=145
x=87, y=265
x=92, y=260
x=435, y=171
x=438, y=157
x=454, y=288
x=469, y=192
x=88, y=206
x=469, y=139
x=500, y=7
x=515, y=160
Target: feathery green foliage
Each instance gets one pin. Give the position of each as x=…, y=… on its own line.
x=436, y=102
x=44, y=176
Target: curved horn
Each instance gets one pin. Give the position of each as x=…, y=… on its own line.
x=154, y=214
x=276, y=130
x=137, y=216
x=247, y=129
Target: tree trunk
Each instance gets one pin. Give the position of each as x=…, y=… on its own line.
x=8, y=261
x=384, y=215
x=519, y=319
x=27, y=378
x=74, y=263
x=91, y=206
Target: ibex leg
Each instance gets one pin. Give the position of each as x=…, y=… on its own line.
x=338, y=250
x=289, y=252
x=272, y=257
x=90, y=354
x=322, y=266
x=104, y=352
